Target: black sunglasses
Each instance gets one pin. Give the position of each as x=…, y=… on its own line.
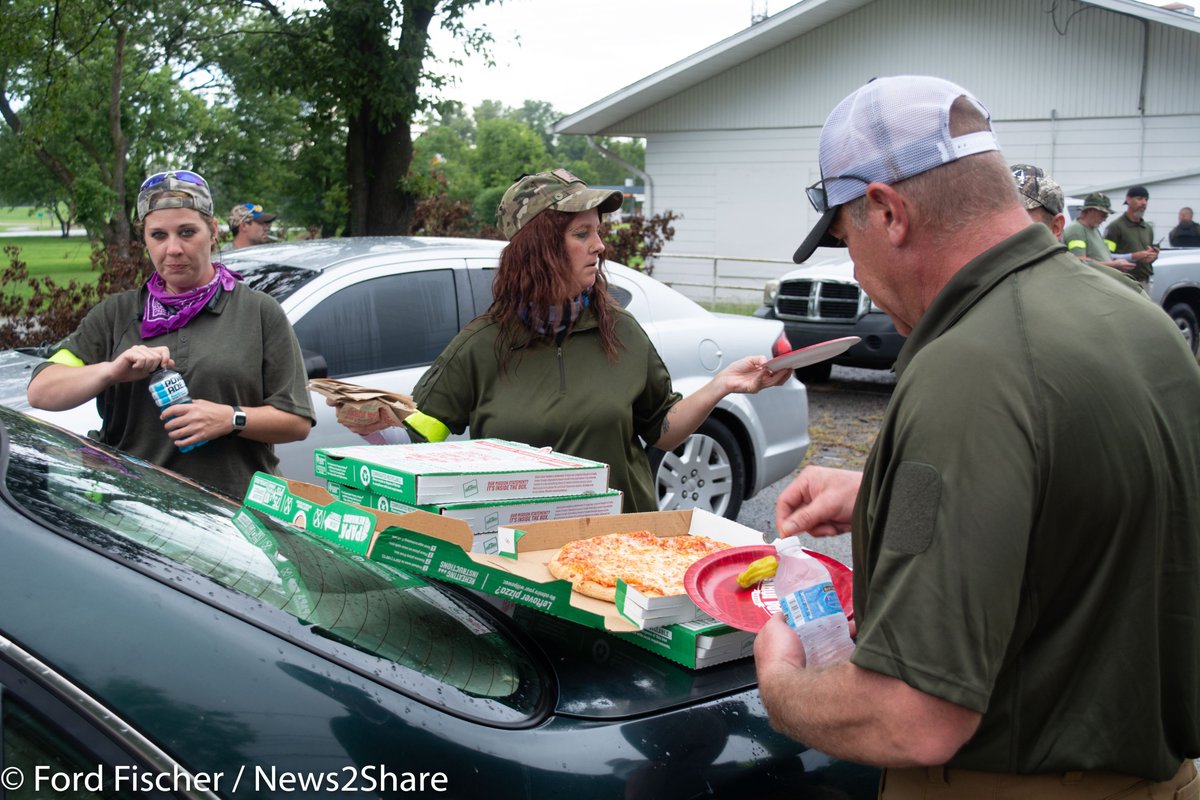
x=817, y=194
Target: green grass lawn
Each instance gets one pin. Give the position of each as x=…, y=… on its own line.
x=25, y=218
x=62, y=259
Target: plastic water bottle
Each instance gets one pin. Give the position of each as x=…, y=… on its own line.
x=811, y=605
x=167, y=388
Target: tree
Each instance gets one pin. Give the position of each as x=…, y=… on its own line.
x=87, y=89
x=363, y=62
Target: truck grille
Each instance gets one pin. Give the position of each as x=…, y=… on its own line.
x=818, y=301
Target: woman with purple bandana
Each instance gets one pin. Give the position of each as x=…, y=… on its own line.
x=233, y=346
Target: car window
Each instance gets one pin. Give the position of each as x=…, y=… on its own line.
x=437, y=647
x=383, y=324
x=46, y=762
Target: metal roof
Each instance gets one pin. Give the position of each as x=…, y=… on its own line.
x=772, y=32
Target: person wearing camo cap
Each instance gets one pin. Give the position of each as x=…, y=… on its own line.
x=556, y=361
x=1041, y=195
x=1024, y=533
x=1083, y=238
x=250, y=225
x=233, y=346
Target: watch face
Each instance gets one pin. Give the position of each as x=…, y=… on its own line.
x=239, y=420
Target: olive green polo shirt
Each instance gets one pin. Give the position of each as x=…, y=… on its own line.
x=1027, y=536
x=239, y=350
x=1129, y=236
x=569, y=397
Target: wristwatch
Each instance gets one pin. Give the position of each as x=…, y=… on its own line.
x=239, y=419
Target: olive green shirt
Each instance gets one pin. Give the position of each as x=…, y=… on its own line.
x=1129, y=236
x=239, y=350
x=568, y=397
x=1084, y=241
x=1027, y=537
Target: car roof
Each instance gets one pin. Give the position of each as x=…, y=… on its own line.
x=322, y=254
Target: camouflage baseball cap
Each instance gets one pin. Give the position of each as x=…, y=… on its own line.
x=174, y=189
x=557, y=189
x=1037, y=189
x=244, y=211
x=1098, y=201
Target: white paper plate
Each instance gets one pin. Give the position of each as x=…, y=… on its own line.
x=812, y=354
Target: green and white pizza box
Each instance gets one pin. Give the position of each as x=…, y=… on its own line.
x=703, y=642
x=440, y=547
x=487, y=517
x=467, y=470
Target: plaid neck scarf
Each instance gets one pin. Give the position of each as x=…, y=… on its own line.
x=555, y=319
x=167, y=312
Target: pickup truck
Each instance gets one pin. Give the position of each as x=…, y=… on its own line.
x=821, y=300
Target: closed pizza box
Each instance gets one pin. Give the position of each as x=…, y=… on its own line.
x=468, y=470
x=440, y=547
x=701, y=643
x=488, y=516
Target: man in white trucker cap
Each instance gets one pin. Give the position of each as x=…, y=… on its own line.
x=1026, y=556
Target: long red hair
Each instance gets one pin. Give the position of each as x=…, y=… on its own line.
x=534, y=270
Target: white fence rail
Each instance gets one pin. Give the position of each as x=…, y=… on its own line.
x=712, y=278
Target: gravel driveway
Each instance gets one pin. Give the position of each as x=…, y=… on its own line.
x=843, y=419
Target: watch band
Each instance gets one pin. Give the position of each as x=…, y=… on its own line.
x=239, y=419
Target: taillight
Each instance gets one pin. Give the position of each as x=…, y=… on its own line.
x=781, y=346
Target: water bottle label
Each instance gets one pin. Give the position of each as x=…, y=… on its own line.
x=815, y=613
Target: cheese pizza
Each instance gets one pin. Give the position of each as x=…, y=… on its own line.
x=652, y=565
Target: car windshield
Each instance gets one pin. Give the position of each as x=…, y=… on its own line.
x=277, y=280
x=423, y=640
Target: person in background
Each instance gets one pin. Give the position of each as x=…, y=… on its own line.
x=1131, y=237
x=555, y=361
x=1082, y=237
x=1041, y=195
x=1024, y=534
x=1187, y=232
x=250, y=225
x=233, y=346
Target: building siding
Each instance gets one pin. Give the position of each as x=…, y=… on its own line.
x=733, y=153
x=1079, y=62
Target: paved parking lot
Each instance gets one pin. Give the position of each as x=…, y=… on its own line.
x=844, y=416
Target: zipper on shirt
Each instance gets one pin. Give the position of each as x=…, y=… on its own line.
x=562, y=373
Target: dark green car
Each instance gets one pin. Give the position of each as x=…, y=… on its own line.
x=157, y=639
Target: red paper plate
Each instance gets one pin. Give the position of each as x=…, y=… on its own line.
x=712, y=584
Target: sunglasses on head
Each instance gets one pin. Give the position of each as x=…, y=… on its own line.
x=180, y=175
x=818, y=196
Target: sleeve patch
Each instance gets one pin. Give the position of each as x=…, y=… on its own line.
x=912, y=513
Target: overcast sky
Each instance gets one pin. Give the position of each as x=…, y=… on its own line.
x=572, y=53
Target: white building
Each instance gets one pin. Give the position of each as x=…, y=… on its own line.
x=1102, y=94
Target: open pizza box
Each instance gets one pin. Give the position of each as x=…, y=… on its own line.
x=440, y=547
x=487, y=516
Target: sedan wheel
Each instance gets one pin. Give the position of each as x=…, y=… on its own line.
x=707, y=471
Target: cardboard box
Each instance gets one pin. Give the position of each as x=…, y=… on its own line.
x=439, y=547
x=456, y=471
x=487, y=517
x=701, y=643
